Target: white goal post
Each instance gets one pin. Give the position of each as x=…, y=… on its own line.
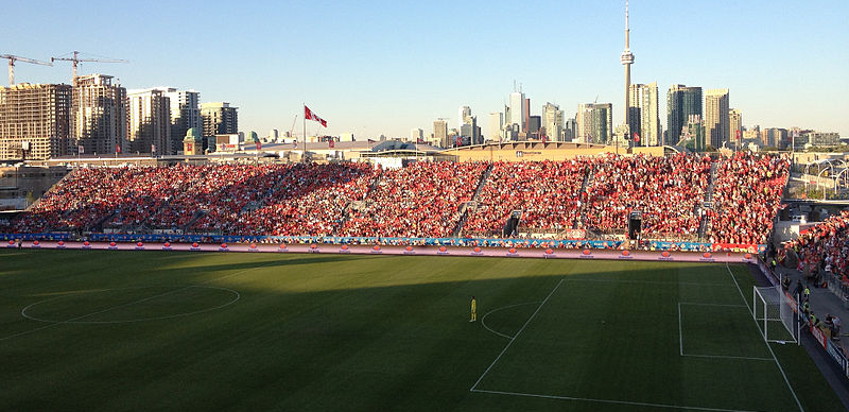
x=776, y=315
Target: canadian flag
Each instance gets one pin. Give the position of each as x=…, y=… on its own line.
x=636, y=137
x=309, y=115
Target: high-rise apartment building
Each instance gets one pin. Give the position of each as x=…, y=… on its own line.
x=595, y=123
x=219, y=118
x=716, y=117
x=681, y=103
x=735, y=126
x=98, y=114
x=552, y=122
x=185, y=114
x=149, y=113
x=34, y=121
x=643, y=114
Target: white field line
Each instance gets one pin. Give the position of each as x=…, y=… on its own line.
x=611, y=401
x=777, y=363
x=646, y=282
x=681, y=336
x=726, y=357
x=72, y=320
x=513, y=339
x=483, y=318
x=712, y=304
x=134, y=320
x=680, y=332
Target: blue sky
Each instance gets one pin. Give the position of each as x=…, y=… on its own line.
x=372, y=67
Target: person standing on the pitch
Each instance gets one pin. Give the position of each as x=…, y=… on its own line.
x=474, y=310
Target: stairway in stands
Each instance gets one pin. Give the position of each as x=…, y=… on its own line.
x=470, y=206
x=584, y=198
x=358, y=204
x=708, y=203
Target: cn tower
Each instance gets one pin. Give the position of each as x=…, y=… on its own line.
x=627, y=59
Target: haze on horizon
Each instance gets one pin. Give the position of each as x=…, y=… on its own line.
x=380, y=67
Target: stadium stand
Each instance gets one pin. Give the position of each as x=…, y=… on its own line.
x=825, y=246
x=421, y=200
x=426, y=199
x=747, y=194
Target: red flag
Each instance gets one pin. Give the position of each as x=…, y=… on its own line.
x=309, y=115
x=258, y=145
x=331, y=143
x=117, y=148
x=636, y=137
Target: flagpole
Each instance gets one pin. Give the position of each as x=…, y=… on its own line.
x=304, y=156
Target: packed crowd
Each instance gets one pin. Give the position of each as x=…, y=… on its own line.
x=420, y=200
x=666, y=190
x=746, y=197
x=824, y=247
x=424, y=199
x=547, y=193
x=311, y=201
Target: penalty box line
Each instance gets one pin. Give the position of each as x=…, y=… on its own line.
x=681, y=335
x=513, y=339
x=777, y=363
x=610, y=401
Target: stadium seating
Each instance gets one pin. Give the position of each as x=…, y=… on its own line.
x=747, y=194
x=426, y=199
x=825, y=245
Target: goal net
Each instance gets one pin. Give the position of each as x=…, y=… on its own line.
x=775, y=314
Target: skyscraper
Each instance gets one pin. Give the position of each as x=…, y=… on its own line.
x=526, y=120
x=416, y=135
x=735, y=125
x=34, y=121
x=185, y=113
x=595, y=123
x=440, y=133
x=98, y=114
x=149, y=112
x=463, y=114
x=681, y=103
x=627, y=60
x=716, y=117
x=469, y=129
x=644, y=118
x=496, y=126
x=517, y=111
x=552, y=121
x=570, y=130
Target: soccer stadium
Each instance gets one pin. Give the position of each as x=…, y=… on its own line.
x=592, y=283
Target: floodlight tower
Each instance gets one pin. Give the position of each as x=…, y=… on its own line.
x=627, y=60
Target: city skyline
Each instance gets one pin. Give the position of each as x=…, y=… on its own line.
x=385, y=68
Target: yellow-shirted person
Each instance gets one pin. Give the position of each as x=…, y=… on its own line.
x=474, y=310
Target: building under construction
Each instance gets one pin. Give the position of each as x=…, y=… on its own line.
x=34, y=121
x=99, y=115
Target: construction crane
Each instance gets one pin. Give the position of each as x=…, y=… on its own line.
x=292, y=130
x=77, y=60
x=12, y=59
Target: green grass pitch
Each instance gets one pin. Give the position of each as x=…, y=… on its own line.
x=89, y=330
